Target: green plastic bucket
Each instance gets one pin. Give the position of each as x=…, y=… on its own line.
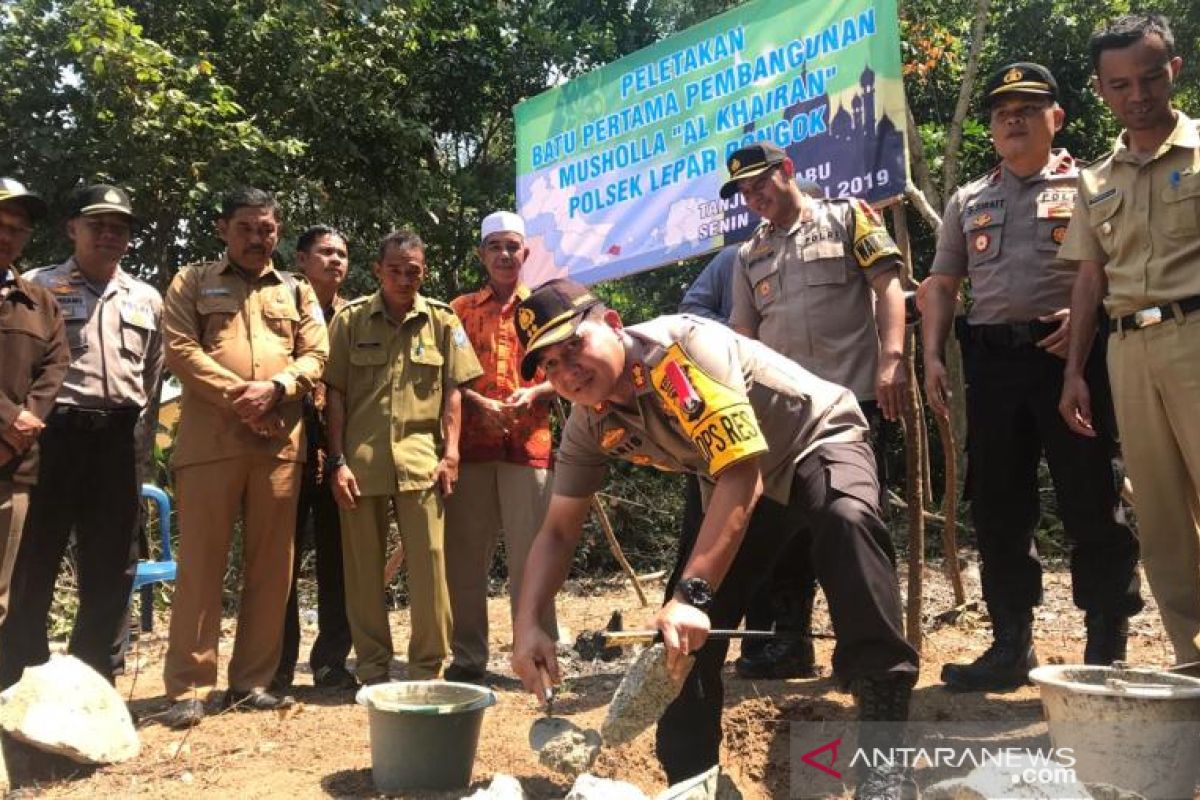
x=424, y=733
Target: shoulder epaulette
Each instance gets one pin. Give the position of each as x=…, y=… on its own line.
x=358, y=301
x=440, y=303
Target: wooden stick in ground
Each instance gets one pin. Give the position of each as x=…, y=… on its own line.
x=950, y=509
x=914, y=452
x=605, y=525
x=393, y=564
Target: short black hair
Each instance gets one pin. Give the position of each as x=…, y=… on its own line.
x=402, y=239
x=310, y=236
x=1127, y=30
x=247, y=197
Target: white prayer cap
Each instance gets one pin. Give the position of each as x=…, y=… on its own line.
x=501, y=222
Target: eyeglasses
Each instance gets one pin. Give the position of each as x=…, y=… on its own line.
x=757, y=183
x=1026, y=111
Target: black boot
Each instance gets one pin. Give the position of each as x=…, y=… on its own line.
x=882, y=713
x=780, y=659
x=1106, y=635
x=1005, y=665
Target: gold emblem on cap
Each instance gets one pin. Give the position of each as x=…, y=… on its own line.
x=111, y=196
x=526, y=319
x=735, y=165
x=1013, y=75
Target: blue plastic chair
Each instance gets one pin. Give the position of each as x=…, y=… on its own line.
x=163, y=569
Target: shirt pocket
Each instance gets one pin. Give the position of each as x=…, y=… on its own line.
x=1102, y=219
x=218, y=315
x=827, y=271
x=764, y=282
x=282, y=319
x=1181, y=207
x=1051, y=233
x=135, y=333
x=984, y=234
x=426, y=372
x=368, y=368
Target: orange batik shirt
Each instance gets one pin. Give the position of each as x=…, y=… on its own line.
x=491, y=328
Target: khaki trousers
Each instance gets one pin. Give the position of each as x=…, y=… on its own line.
x=420, y=517
x=1155, y=374
x=210, y=498
x=489, y=497
x=14, y=502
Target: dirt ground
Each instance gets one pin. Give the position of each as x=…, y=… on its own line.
x=321, y=748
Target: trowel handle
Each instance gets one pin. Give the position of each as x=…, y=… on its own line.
x=624, y=638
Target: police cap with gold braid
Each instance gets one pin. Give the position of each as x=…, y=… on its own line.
x=1022, y=77
x=550, y=314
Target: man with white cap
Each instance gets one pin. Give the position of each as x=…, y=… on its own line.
x=504, y=447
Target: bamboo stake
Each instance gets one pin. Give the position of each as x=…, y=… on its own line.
x=950, y=508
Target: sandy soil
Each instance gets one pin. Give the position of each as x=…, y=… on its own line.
x=321, y=748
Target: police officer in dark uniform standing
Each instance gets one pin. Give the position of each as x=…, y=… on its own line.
x=87, y=482
x=1002, y=232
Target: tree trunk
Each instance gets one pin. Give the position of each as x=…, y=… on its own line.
x=950, y=164
x=920, y=167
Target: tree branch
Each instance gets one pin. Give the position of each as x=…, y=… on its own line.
x=950, y=164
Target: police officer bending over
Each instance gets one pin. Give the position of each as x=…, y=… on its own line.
x=1002, y=232
x=783, y=450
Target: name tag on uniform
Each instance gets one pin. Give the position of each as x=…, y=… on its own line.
x=1055, y=204
x=1100, y=198
x=137, y=315
x=368, y=345
x=72, y=304
x=216, y=291
x=821, y=250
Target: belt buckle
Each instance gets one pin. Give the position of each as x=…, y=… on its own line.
x=1147, y=317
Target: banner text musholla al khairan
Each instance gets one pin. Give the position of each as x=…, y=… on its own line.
x=618, y=171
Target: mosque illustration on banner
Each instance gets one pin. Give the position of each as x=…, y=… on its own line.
x=860, y=146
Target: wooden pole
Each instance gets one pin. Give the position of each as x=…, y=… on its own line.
x=914, y=451
x=950, y=508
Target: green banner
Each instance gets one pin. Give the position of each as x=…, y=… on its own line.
x=619, y=170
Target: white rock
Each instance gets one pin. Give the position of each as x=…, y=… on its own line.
x=1006, y=781
x=65, y=707
x=589, y=787
x=502, y=787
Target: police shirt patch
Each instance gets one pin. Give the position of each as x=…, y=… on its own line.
x=638, y=375
x=459, y=337
x=717, y=419
x=137, y=315
x=1100, y=198
x=981, y=242
x=981, y=220
x=314, y=311
x=1059, y=234
x=216, y=291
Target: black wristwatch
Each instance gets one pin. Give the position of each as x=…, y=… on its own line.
x=695, y=592
x=333, y=462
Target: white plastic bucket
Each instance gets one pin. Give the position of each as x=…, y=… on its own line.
x=424, y=733
x=1136, y=729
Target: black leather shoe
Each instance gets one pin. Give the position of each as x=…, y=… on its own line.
x=334, y=678
x=458, y=674
x=256, y=700
x=780, y=660
x=184, y=714
x=1106, y=638
x=1003, y=666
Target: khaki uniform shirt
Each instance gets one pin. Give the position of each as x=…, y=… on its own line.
x=223, y=327
x=806, y=291
x=1003, y=233
x=114, y=335
x=393, y=375
x=1142, y=221
x=753, y=402
x=33, y=361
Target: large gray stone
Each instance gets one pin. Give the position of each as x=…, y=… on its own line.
x=65, y=707
x=502, y=787
x=563, y=746
x=589, y=787
x=642, y=697
x=698, y=787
